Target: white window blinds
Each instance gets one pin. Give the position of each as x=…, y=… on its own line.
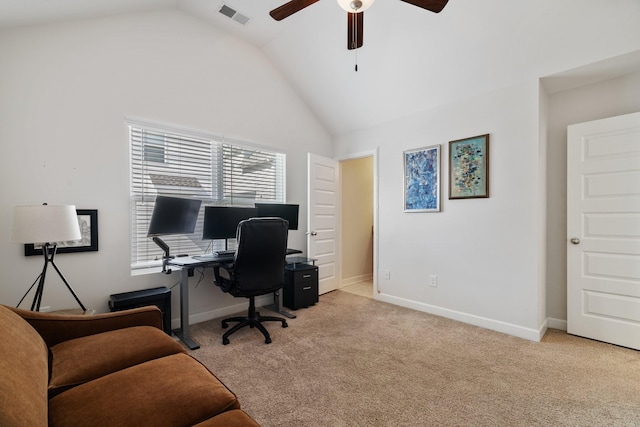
x=176, y=164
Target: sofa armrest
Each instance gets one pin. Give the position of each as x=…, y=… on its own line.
x=56, y=328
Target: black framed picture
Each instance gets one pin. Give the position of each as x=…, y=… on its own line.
x=88, y=221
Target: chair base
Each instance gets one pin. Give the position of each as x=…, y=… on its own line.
x=253, y=320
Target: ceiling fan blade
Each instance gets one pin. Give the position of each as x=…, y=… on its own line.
x=431, y=5
x=290, y=8
x=355, y=30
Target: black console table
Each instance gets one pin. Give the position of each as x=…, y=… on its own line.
x=160, y=297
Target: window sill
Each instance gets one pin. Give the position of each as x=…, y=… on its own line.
x=151, y=267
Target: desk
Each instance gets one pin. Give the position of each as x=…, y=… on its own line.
x=187, y=264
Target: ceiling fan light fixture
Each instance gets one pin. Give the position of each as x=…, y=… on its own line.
x=355, y=5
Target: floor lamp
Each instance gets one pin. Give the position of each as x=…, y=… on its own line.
x=46, y=225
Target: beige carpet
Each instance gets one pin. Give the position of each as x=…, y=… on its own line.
x=354, y=361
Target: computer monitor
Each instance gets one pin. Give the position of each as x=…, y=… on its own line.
x=221, y=222
x=173, y=215
x=281, y=210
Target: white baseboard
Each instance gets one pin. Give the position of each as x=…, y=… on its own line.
x=483, y=322
x=357, y=279
x=494, y=325
x=242, y=306
x=557, y=324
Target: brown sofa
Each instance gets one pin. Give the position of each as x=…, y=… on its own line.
x=113, y=369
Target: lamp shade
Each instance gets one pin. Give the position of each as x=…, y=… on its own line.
x=355, y=5
x=45, y=224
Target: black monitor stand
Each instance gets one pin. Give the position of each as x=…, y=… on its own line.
x=226, y=245
x=167, y=253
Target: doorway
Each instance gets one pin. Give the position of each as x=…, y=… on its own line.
x=357, y=182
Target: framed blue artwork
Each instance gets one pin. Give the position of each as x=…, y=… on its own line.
x=469, y=168
x=422, y=179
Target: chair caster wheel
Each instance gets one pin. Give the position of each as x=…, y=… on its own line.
x=285, y=324
x=225, y=341
x=267, y=341
x=225, y=325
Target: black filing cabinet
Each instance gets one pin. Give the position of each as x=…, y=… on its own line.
x=160, y=297
x=300, y=285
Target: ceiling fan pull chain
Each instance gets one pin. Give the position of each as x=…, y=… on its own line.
x=354, y=36
x=356, y=60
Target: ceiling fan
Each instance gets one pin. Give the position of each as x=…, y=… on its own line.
x=355, y=12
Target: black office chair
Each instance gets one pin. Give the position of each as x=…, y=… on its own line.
x=257, y=269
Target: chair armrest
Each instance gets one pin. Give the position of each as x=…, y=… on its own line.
x=56, y=328
x=222, y=282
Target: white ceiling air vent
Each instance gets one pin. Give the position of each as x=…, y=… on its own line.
x=233, y=14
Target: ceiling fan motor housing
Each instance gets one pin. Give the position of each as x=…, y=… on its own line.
x=355, y=6
x=355, y=9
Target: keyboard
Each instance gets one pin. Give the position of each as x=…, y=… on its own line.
x=214, y=256
x=224, y=253
x=208, y=257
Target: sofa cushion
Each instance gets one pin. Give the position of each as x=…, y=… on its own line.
x=83, y=359
x=233, y=418
x=24, y=371
x=172, y=391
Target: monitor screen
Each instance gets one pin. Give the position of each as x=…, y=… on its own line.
x=288, y=212
x=173, y=215
x=221, y=222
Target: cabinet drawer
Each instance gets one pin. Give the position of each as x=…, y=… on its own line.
x=305, y=276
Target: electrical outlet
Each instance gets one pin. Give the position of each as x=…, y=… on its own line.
x=433, y=281
x=387, y=274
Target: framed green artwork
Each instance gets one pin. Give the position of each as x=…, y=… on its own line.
x=469, y=168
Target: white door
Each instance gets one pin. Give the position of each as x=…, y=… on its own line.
x=322, y=227
x=603, y=230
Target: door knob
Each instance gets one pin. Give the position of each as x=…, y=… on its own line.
x=575, y=241
x=313, y=233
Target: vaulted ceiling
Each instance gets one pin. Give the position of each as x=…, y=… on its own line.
x=411, y=60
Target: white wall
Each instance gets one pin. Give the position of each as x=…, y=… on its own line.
x=596, y=101
x=65, y=91
x=500, y=262
x=543, y=114
x=485, y=252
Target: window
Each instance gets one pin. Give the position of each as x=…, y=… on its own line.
x=179, y=164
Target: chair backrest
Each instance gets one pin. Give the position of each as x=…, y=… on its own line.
x=260, y=256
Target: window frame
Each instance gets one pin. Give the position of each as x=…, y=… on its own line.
x=143, y=189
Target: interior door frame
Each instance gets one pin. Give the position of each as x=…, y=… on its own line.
x=352, y=156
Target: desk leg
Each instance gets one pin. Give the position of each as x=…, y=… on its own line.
x=277, y=305
x=183, y=331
